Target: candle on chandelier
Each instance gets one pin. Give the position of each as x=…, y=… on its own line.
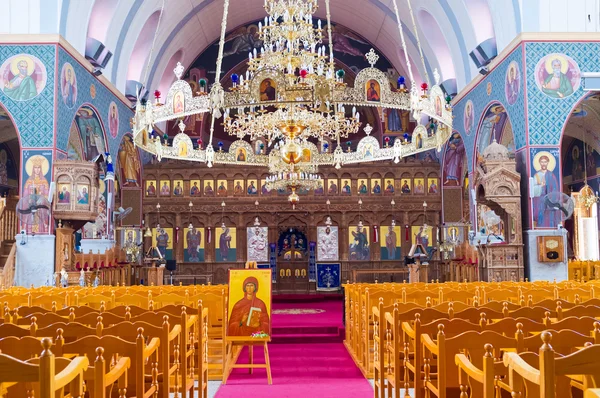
x=401, y=81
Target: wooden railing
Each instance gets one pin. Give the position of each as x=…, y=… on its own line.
x=9, y=224
x=8, y=272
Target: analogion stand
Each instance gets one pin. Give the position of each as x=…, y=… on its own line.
x=234, y=348
x=152, y=274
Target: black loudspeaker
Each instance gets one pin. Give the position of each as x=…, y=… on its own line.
x=484, y=53
x=171, y=265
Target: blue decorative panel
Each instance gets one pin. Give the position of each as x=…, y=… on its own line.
x=493, y=89
x=547, y=115
x=92, y=92
x=329, y=277
x=34, y=117
x=312, y=258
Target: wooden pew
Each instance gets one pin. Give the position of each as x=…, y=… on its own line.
x=141, y=385
x=443, y=350
x=50, y=384
x=542, y=382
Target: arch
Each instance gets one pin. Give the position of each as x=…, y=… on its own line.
x=436, y=39
x=494, y=124
x=89, y=126
x=481, y=18
x=386, y=39
x=141, y=49
x=580, y=131
x=6, y=115
x=10, y=144
x=468, y=21
x=168, y=76
x=102, y=11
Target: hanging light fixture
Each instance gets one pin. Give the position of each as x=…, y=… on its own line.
x=425, y=226
x=158, y=219
x=360, y=223
x=291, y=94
x=223, y=214
x=256, y=219
x=148, y=233
x=587, y=198
x=191, y=226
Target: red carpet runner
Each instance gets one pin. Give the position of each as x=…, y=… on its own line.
x=308, y=358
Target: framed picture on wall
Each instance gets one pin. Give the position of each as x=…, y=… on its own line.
x=551, y=249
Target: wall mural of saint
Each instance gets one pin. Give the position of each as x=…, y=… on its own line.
x=225, y=244
x=543, y=183
x=390, y=242
x=193, y=245
x=162, y=239
x=22, y=77
x=359, y=243
x=557, y=75
x=454, y=161
x=37, y=170
x=129, y=161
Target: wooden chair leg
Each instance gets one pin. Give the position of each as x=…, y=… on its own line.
x=268, y=363
x=250, y=357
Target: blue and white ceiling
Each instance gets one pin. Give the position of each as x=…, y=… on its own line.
x=448, y=29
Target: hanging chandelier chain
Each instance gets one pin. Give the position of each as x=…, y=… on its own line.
x=329, y=32
x=407, y=59
x=217, y=90
x=162, y=9
x=222, y=41
x=412, y=17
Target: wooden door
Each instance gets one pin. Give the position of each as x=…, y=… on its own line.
x=292, y=262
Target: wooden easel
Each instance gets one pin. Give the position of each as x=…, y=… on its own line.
x=234, y=348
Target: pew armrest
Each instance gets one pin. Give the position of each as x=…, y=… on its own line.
x=151, y=347
x=408, y=329
x=467, y=367
x=74, y=369
x=592, y=393
x=176, y=331
x=389, y=317
x=118, y=370
x=429, y=344
x=516, y=363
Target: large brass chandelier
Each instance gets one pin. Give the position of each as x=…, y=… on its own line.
x=292, y=97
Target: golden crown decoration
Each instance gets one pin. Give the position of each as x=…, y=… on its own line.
x=291, y=96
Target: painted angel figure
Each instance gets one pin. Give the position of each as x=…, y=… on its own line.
x=244, y=39
x=342, y=41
